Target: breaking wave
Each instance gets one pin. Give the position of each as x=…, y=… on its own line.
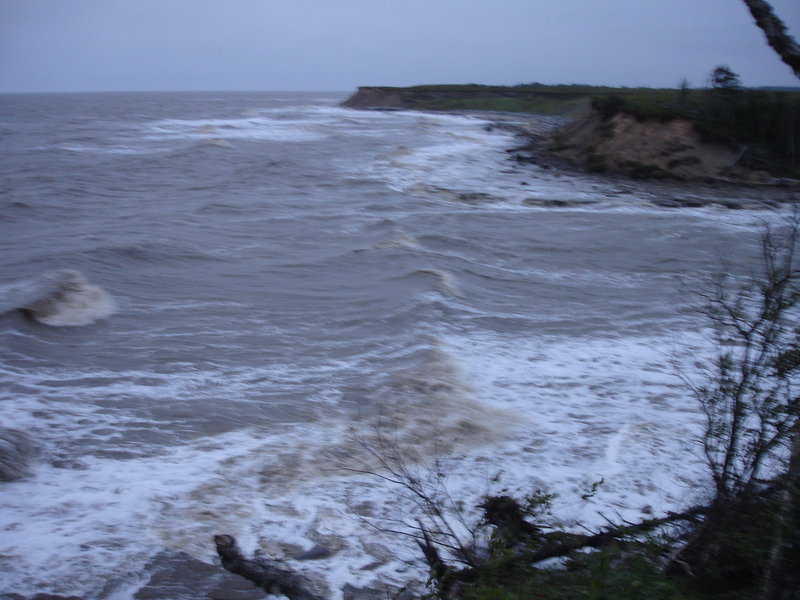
x=62, y=298
x=15, y=451
x=422, y=411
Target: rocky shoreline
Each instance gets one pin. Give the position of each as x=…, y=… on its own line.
x=536, y=135
x=668, y=158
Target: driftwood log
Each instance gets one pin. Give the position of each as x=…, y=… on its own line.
x=267, y=574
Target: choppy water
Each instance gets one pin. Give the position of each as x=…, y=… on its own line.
x=220, y=288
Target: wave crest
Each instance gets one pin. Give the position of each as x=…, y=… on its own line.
x=58, y=298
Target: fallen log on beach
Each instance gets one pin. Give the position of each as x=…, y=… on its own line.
x=268, y=574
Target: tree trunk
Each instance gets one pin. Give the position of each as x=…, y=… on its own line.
x=572, y=542
x=777, y=35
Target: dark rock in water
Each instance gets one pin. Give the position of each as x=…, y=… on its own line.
x=680, y=202
x=178, y=575
x=316, y=553
x=476, y=197
x=692, y=202
x=666, y=202
x=173, y=575
x=69, y=463
x=555, y=202
x=731, y=204
x=16, y=450
x=350, y=592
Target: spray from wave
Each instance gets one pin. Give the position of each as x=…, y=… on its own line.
x=58, y=298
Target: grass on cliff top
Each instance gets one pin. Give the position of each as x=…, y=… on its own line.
x=575, y=88
x=563, y=100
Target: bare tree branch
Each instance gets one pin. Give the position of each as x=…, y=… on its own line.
x=572, y=542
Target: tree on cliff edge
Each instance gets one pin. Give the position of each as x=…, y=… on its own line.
x=723, y=79
x=777, y=35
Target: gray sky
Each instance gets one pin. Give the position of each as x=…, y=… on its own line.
x=121, y=45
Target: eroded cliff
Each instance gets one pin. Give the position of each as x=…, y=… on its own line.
x=649, y=149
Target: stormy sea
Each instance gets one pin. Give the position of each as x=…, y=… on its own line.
x=215, y=307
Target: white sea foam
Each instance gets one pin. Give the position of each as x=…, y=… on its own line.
x=280, y=490
x=42, y=400
x=610, y=409
x=465, y=163
x=497, y=415
x=458, y=159
x=105, y=149
x=103, y=508
x=566, y=414
x=312, y=123
x=253, y=128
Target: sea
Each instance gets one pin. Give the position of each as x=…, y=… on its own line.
x=260, y=314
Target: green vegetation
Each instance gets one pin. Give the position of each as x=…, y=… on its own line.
x=607, y=574
x=763, y=124
x=536, y=98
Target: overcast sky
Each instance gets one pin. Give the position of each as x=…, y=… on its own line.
x=121, y=45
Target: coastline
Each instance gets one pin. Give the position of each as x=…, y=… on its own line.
x=585, y=139
x=535, y=136
x=401, y=224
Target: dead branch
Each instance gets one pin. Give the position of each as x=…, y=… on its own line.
x=267, y=574
x=567, y=543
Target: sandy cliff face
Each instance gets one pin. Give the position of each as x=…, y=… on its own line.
x=650, y=148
